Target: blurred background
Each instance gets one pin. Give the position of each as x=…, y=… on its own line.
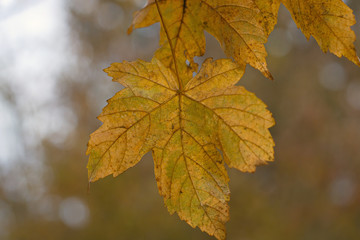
x=52, y=87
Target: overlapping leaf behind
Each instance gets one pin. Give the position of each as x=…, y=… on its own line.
x=195, y=124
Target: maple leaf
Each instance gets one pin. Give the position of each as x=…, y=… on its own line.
x=241, y=27
x=329, y=22
x=195, y=124
x=185, y=127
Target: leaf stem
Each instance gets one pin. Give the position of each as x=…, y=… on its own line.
x=171, y=47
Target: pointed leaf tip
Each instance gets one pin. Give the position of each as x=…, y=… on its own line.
x=329, y=22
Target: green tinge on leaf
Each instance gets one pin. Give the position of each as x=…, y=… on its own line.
x=185, y=130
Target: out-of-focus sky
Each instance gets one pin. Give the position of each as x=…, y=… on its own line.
x=52, y=88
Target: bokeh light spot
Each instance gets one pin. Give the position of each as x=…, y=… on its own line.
x=353, y=94
x=109, y=16
x=332, y=76
x=73, y=212
x=342, y=191
x=280, y=43
x=84, y=7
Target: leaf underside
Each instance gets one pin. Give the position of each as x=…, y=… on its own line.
x=185, y=130
x=195, y=124
x=329, y=22
x=241, y=27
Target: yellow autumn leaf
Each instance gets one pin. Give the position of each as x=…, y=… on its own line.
x=241, y=27
x=186, y=128
x=268, y=14
x=329, y=22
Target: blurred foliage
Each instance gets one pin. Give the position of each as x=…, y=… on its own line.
x=311, y=191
